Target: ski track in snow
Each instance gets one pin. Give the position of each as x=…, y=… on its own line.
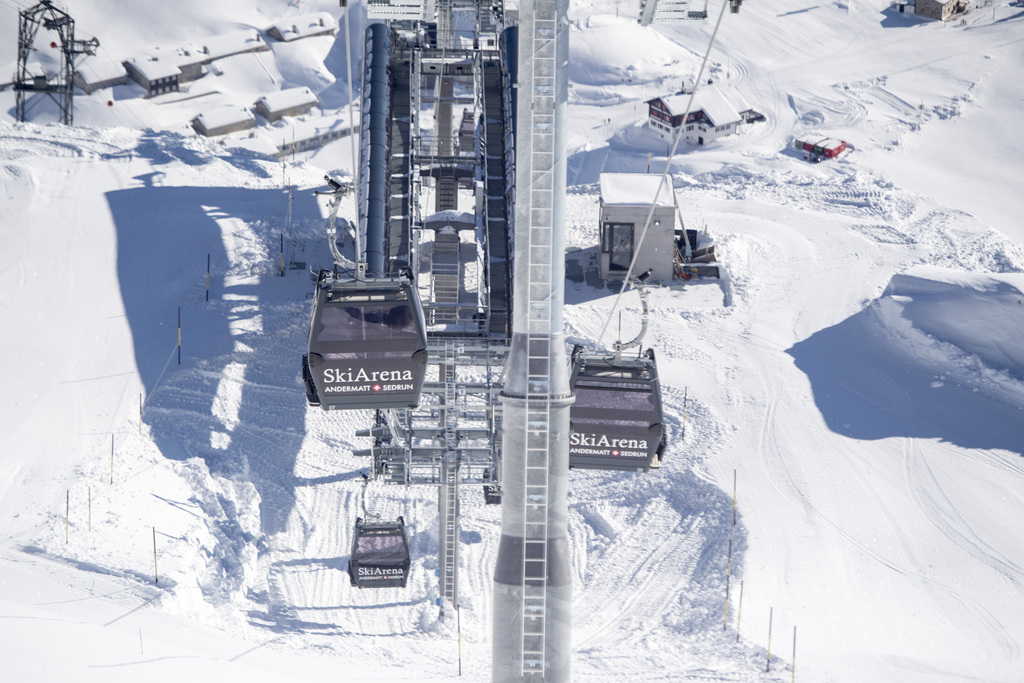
x=287, y=573
x=252, y=496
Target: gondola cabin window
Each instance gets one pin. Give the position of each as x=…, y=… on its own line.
x=384, y=550
x=342, y=323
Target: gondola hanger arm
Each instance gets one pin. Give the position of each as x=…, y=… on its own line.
x=337, y=190
x=641, y=288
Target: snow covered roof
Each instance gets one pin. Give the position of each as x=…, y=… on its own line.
x=303, y=130
x=186, y=56
x=293, y=28
x=633, y=189
x=98, y=71
x=722, y=110
x=235, y=43
x=457, y=219
x=286, y=99
x=153, y=68
x=228, y=115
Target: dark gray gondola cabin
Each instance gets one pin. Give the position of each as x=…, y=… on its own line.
x=616, y=417
x=380, y=555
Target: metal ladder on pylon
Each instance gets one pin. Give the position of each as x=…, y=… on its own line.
x=535, y=538
x=448, y=486
x=538, y=400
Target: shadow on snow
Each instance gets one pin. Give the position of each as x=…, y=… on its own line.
x=866, y=389
x=164, y=236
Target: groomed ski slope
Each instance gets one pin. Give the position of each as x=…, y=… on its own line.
x=860, y=369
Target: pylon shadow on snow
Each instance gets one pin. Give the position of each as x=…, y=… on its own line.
x=252, y=427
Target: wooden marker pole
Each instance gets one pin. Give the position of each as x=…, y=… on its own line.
x=769, y=667
x=140, y=414
x=207, y=277
x=793, y=678
x=179, y=335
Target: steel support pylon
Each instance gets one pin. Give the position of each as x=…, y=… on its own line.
x=532, y=581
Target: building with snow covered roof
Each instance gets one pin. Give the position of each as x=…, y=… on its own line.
x=399, y=10
x=290, y=102
x=190, y=61
x=713, y=113
x=236, y=43
x=157, y=76
x=304, y=26
x=222, y=120
x=93, y=75
x=626, y=200
x=939, y=9
x=308, y=135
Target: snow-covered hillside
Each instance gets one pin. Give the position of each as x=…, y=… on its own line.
x=858, y=372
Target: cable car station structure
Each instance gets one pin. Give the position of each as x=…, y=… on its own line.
x=449, y=325
x=416, y=325
x=58, y=87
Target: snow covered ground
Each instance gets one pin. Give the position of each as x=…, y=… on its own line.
x=860, y=371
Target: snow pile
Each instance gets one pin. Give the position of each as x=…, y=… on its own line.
x=980, y=314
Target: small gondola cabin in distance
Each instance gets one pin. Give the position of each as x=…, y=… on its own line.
x=380, y=555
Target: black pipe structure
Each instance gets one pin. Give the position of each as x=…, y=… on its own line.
x=375, y=143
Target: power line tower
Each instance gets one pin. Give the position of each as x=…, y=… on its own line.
x=58, y=87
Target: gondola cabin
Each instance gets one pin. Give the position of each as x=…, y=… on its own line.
x=616, y=419
x=380, y=555
x=367, y=345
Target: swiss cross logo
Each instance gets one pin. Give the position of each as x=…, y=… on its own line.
x=614, y=452
x=376, y=387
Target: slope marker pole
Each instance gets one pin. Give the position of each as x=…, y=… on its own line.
x=793, y=678
x=769, y=666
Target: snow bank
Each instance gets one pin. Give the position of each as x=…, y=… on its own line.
x=980, y=313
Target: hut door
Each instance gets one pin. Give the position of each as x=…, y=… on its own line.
x=620, y=242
